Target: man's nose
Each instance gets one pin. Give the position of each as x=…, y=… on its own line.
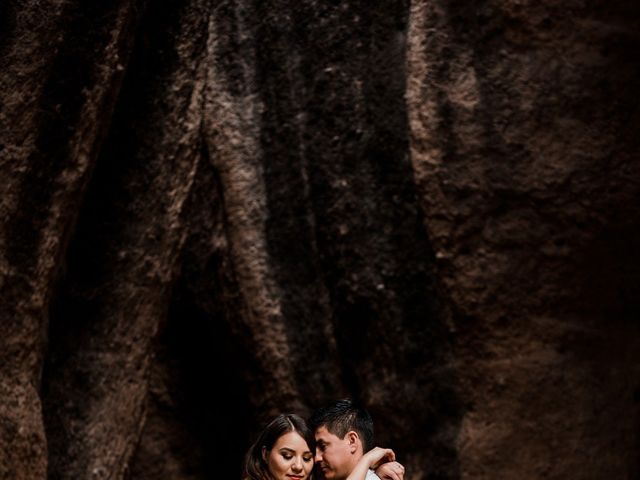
x=318, y=457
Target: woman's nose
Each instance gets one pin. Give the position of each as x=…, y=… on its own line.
x=297, y=464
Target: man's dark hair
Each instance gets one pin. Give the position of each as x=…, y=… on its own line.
x=343, y=416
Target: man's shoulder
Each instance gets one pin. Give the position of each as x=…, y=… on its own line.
x=371, y=475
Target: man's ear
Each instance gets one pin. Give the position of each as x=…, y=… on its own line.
x=353, y=439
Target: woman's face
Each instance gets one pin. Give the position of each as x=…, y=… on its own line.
x=290, y=458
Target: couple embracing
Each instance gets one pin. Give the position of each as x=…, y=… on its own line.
x=338, y=438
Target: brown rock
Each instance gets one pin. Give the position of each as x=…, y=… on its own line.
x=216, y=211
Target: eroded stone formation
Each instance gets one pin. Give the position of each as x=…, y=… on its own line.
x=431, y=207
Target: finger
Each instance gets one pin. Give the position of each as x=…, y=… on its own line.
x=391, y=471
x=390, y=455
x=396, y=470
x=384, y=455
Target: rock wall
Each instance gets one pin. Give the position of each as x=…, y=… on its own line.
x=526, y=159
x=428, y=206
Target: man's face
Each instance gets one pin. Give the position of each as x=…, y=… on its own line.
x=334, y=455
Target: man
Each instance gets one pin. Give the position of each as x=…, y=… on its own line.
x=344, y=433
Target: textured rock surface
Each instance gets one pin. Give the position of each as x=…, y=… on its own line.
x=429, y=207
x=524, y=146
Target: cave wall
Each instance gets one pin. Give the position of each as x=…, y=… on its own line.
x=427, y=206
x=525, y=148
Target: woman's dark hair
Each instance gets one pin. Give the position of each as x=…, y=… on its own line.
x=255, y=466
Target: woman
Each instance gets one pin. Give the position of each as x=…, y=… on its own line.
x=284, y=450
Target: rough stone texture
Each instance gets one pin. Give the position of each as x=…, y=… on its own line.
x=524, y=142
x=428, y=207
x=121, y=265
x=52, y=124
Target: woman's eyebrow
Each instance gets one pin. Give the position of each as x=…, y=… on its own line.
x=293, y=451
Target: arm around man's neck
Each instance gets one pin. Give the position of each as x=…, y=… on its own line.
x=371, y=460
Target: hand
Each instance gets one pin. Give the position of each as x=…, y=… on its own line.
x=390, y=471
x=378, y=455
x=372, y=459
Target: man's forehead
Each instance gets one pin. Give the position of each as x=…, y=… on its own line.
x=323, y=434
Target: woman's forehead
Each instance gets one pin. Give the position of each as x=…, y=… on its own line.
x=292, y=441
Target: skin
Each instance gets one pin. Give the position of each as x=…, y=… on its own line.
x=335, y=456
x=371, y=459
x=290, y=458
x=338, y=458
x=390, y=471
